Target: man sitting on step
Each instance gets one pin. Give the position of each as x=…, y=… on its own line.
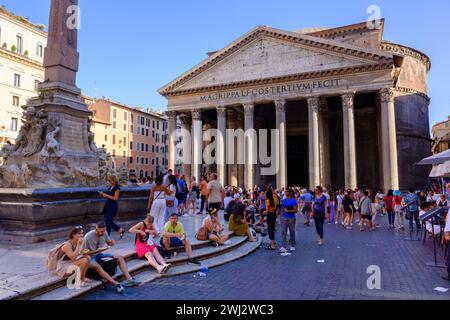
x=97, y=240
x=174, y=236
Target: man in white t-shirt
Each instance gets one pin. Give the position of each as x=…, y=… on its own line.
x=227, y=200
x=166, y=181
x=216, y=193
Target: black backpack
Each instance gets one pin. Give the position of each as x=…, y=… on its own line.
x=229, y=210
x=108, y=263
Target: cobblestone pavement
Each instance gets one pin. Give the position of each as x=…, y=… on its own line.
x=266, y=275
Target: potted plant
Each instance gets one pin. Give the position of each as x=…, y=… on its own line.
x=13, y=48
x=26, y=53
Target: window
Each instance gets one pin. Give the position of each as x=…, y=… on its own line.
x=124, y=127
x=153, y=134
x=36, y=85
x=137, y=146
x=137, y=160
x=146, y=148
x=19, y=44
x=157, y=125
x=143, y=131
x=142, y=147
x=14, y=122
x=132, y=128
x=146, y=132
x=153, y=161
x=153, y=124
x=157, y=149
x=142, y=121
x=446, y=124
x=132, y=118
x=131, y=160
x=114, y=125
x=114, y=153
x=17, y=79
x=39, y=50
x=146, y=160
x=16, y=101
x=131, y=145
x=157, y=161
x=153, y=148
x=124, y=141
x=106, y=137
x=115, y=113
x=114, y=139
x=125, y=116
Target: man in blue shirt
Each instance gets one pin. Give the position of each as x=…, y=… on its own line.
x=288, y=221
x=181, y=195
x=412, y=202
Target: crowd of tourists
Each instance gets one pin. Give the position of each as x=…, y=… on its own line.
x=247, y=212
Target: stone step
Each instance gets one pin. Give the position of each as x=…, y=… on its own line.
x=141, y=270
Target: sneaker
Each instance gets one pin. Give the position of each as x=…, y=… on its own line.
x=194, y=262
x=336, y=223
x=292, y=249
x=283, y=250
x=160, y=269
x=320, y=243
x=214, y=244
x=166, y=266
x=131, y=283
x=120, y=289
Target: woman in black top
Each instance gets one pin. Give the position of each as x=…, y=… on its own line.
x=112, y=206
x=349, y=209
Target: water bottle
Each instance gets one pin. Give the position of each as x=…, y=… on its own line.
x=204, y=270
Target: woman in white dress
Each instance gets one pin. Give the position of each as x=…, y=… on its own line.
x=171, y=199
x=157, y=204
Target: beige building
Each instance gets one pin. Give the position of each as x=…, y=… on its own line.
x=21, y=69
x=441, y=136
x=351, y=108
x=135, y=139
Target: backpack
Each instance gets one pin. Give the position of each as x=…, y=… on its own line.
x=54, y=257
x=108, y=264
x=229, y=210
x=414, y=206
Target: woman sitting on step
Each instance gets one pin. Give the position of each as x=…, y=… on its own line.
x=146, y=247
x=239, y=225
x=66, y=258
x=215, y=228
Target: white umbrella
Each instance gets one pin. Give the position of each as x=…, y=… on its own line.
x=442, y=170
x=436, y=159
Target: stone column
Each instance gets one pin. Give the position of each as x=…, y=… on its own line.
x=186, y=122
x=172, y=132
x=240, y=166
x=314, y=157
x=249, y=114
x=197, y=143
x=232, y=167
x=280, y=106
x=389, y=140
x=221, y=143
x=349, y=140
x=324, y=144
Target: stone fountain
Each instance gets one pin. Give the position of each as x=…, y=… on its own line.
x=52, y=174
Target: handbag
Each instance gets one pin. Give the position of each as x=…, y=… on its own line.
x=170, y=203
x=202, y=234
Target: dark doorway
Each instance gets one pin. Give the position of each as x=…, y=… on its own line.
x=297, y=160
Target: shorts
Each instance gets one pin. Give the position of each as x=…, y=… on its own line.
x=98, y=256
x=340, y=207
x=215, y=205
x=368, y=217
x=174, y=243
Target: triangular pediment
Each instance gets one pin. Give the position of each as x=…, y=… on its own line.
x=268, y=53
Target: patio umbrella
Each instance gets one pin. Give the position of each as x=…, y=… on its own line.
x=439, y=158
x=441, y=170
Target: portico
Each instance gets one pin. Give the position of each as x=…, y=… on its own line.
x=323, y=97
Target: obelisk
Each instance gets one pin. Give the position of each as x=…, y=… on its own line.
x=55, y=147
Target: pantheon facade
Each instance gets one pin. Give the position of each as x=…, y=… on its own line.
x=351, y=108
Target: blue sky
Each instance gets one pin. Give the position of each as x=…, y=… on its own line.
x=129, y=49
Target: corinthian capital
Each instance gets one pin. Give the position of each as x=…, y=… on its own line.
x=171, y=115
x=185, y=119
x=197, y=114
x=387, y=95
x=249, y=109
x=313, y=104
x=280, y=105
x=348, y=100
x=221, y=111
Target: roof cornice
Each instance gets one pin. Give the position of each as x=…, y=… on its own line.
x=22, y=59
x=340, y=31
x=377, y=56
x=406, y=51
x=294, y=77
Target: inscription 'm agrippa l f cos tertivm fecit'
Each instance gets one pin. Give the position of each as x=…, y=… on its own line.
x=273, y=90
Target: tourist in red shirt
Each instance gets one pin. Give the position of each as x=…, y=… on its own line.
x=389, y=202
